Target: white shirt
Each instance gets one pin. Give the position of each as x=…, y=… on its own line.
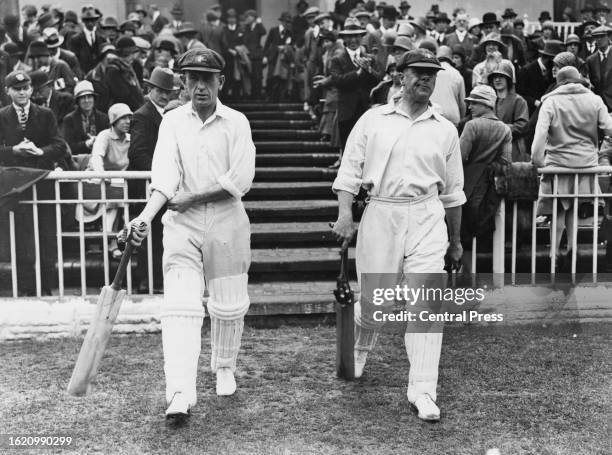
x=353, y=54
x=461, y=35
x=449, y=93
x=192, y=155
x=393, y=155
x=90, y=36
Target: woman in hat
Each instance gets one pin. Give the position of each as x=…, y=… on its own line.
x=554, y=144
x=460, y=62
x=83, y=124
x=110, y=153
x=494, y=50
x=510, y=108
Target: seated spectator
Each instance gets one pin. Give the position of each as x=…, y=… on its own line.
x=83, y=124
x=110, y=153
x=486, y=145
x=554, y=144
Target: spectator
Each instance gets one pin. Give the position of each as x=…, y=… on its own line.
x=29, y=138
x=187, y=34
x=573, y=45
x=599, y=65
x=120, y=77
x=404, y=8
x=144, y=129
x=83, y=124
x=493, y=49
x=45, y=95
x=177, y=17
x=461, y=37
x=212, y=32
x=97, y=76
x=554, y=144
x=15, y=60
x=39, y=58
x=252, y=34
x=449, y=92
x=85, y=44
x=110, y=153
x=486, y=146
x=312, y=56
x=459, y=60
x=15, y=32
x=158, y=21
x=534, y=78
x=420, y=30
x=488, y=26
x=511, y=109
x=109, y=28
x=70, y=26
x=238, y=65
x=441, y=24
x=277, y=39
x=54, y=41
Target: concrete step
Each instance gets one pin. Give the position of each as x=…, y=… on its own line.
x=284, y=124
x=294, y=174
x=286, y=135
x=295, y=234
x=278, y=115
x=263, y=106
x=290, y=190
x=294, y=147
x=296, y=159
x=292, y=210
x=294, y=262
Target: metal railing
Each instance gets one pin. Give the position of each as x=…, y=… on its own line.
x=561, y=28
x=501, y=249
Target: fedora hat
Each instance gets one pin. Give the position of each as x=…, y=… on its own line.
x=162, y=78
x=47, y=20
x=52, y=37
x=509, y=13
x=89, y=13
x=420, y=23
x=285, y=17
x=489, y=18
x=109, y=22
x=352, y=27
x=442, y=17
x=552, y=47
x=186, y=28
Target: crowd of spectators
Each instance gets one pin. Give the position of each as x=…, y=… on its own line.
x=103, y=83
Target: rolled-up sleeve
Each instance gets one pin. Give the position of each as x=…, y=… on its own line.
x=453, y=195
x=166, y=169
x=350, y=174
x=238, y=179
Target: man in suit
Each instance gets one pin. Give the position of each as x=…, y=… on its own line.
x=534, y=78
x=86, y=43
x=212, y=32
x=187, y=34
x=252, y=34
x=60, y=103
x=29, y=138
x=461, y=36
x=58, y=70
x=158, y=21
x=121, y=78
x=54, y=41
x=404, y=8
x=599, y=65
x=143, y=130
x=354, y=73
x=278, y=37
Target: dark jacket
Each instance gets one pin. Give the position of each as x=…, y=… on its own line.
x=72, y=61
x=123, y=86
x=353, y=88
x=41, y=129
x=143, y=137
x=86, y=54
x=97, y=77
x=252, y=40
x=61, y=104
x=531, y=84
x=274, y=39
x=212, y=37
x=75, y=135
x=601, y=77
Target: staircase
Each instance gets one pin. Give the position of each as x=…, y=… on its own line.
x=294, y=254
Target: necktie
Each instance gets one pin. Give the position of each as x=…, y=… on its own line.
x=23, y=117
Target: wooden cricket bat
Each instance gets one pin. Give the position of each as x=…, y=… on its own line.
x=99, y=331
x=345, y=314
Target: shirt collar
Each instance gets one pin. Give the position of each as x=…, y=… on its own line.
x=461, y=33
x=541, y=65
x=392, y=107
x=220, y=111
x=354, y=53
x=26, y=108
x=113, y=135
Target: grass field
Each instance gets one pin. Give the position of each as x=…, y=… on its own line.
x=524, y=390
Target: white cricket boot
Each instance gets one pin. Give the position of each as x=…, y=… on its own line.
x=226, y=384
x=179, y=408
x=360, y=361
x=427, y=408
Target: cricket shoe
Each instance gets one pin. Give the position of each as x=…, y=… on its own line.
x=226, y=384
x=179, y=409
x=427, y=408
x=360, y=358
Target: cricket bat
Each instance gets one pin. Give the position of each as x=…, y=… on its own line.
x=345, y=313
x=99, y=331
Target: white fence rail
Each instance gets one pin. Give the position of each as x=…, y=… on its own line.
x=502, y=250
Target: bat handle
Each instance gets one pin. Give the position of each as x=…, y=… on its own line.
x=125, y=259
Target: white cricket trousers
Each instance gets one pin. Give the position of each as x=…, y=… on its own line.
x=404, y=236
x=208, y=246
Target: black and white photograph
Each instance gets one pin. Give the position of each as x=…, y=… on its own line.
x=306, y=227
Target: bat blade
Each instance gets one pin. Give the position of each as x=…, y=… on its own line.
x=345, y=341
x=96, y=339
